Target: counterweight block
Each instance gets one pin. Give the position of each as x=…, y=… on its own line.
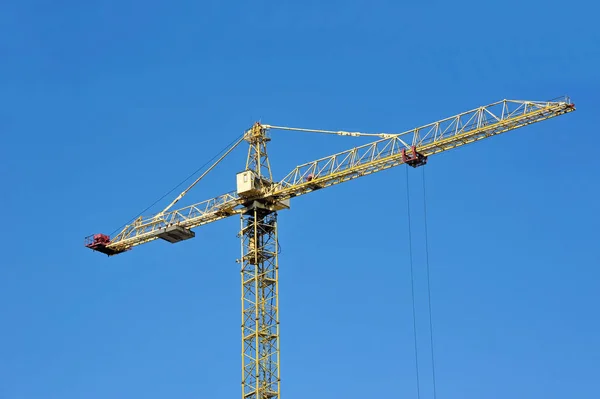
x=175, y=234
x=99, y=243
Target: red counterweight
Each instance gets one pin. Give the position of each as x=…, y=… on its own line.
x=99, y=242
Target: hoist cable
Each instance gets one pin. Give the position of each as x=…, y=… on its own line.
x=429, y=286
x=412, y=284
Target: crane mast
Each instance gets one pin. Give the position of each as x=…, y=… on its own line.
x=260, y=275
x=258, y=198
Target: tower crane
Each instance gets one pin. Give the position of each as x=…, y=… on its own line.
x=259, y=197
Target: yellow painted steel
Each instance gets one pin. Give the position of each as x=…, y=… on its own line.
x=260, y=304
x=260, y=281
x=443, y=135
x=429, y=140
x=258, y=234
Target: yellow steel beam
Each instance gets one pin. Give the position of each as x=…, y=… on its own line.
x=443, y=135
x=428, y=140
x=260, y=304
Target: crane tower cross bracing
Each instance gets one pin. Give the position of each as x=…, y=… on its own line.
x=258, y=198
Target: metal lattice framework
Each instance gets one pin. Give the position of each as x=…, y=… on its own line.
x=258, y=160
x=260, y=308
x=431, y=139
x=258, y=207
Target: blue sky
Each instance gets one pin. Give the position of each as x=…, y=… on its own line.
x=105, y=106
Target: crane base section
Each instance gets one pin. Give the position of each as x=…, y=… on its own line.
x=175, y=234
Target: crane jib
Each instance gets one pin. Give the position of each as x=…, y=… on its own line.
x=412, y=148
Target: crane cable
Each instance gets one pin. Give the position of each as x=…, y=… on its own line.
x=180, y=196
x=336, y=132
x=228, y=147
x=429, y=287
x=413, y=285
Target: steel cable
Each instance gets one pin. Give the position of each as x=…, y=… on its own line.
x=412, y=284
x=180, y=184
x=429, y=287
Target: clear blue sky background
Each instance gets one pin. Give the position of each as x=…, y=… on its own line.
x=107, y=105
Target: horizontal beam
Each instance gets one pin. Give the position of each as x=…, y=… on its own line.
x=431, y=139
x=149, y=229
x=437, y=137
